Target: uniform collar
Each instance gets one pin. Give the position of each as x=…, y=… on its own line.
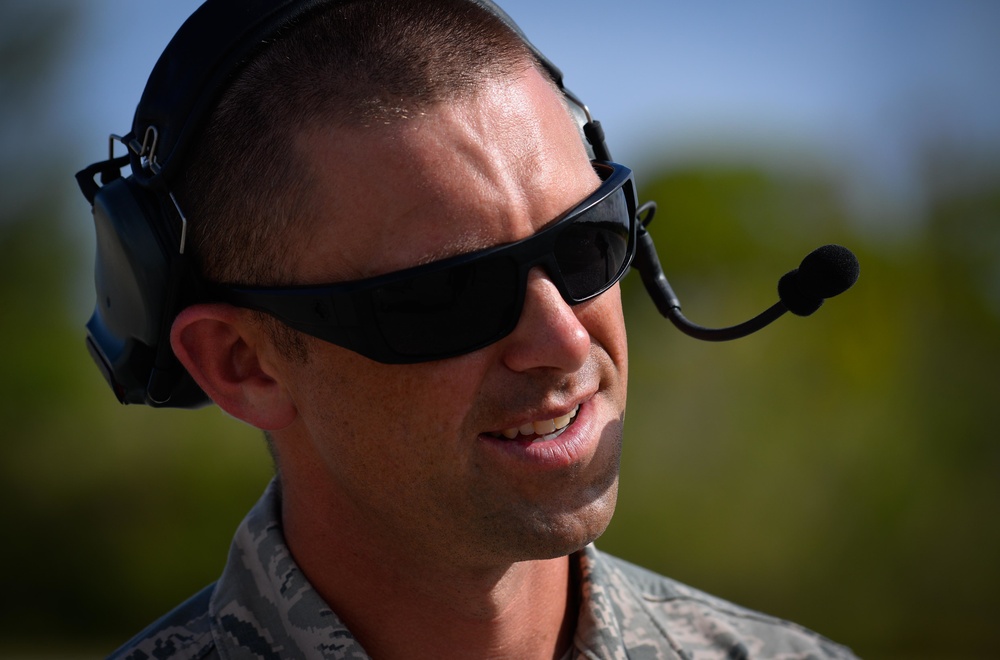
x=264, y=602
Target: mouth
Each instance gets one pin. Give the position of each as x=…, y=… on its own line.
x=539, y=430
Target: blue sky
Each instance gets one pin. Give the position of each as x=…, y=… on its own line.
x=860, y=81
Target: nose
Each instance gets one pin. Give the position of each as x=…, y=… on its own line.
x=549, y=334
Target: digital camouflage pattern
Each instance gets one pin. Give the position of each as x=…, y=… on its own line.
x=263, y=607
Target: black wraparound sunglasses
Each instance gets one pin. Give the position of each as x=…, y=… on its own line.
x=463, y=303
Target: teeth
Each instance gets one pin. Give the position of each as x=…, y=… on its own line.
x=544, y=427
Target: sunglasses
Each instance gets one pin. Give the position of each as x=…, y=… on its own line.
x=460, y=304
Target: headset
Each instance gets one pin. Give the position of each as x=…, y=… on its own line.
x=143, y=274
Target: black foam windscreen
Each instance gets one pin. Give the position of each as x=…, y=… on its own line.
x=825, y=272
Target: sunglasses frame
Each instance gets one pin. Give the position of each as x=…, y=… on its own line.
x=344, y=313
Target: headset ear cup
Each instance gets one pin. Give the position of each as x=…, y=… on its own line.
x=135, y=273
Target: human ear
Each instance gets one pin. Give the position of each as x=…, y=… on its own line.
x=224, y=351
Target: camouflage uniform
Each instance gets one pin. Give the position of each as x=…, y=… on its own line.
x=263, y=607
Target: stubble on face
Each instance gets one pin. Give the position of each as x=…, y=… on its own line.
x=419, y=477
x=395, y=452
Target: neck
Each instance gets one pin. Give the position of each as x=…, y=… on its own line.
x=403, y=604
x=527, y=613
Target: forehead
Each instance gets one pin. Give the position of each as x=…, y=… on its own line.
x=456, y=177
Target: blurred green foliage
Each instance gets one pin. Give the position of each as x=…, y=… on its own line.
x=840, y=471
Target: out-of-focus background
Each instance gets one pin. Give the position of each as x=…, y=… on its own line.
x=841, y=471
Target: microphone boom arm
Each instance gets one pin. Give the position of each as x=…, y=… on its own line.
x=648, y=264
x=825, y=272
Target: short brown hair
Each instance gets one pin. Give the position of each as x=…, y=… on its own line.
x=349, y=64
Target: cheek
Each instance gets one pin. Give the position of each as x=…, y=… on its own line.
x=604, y=320
x=380, y=412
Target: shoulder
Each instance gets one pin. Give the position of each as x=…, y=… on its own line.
x=185, y=632
x=696, y=623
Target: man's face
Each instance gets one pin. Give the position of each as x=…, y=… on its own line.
x=415, y=455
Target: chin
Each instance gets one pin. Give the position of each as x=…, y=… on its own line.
x=563, y=534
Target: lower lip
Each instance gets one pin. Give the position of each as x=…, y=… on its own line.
x=576, y=444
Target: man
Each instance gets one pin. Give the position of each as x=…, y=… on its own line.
x=437, y=490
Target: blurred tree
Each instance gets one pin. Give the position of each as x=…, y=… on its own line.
x=104, y=508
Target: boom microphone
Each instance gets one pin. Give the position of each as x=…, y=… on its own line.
x=825, y=272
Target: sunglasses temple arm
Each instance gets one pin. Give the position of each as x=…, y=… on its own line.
x=648, y=264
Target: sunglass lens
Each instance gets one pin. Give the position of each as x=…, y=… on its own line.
x=448, y=312
x=592, y=250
